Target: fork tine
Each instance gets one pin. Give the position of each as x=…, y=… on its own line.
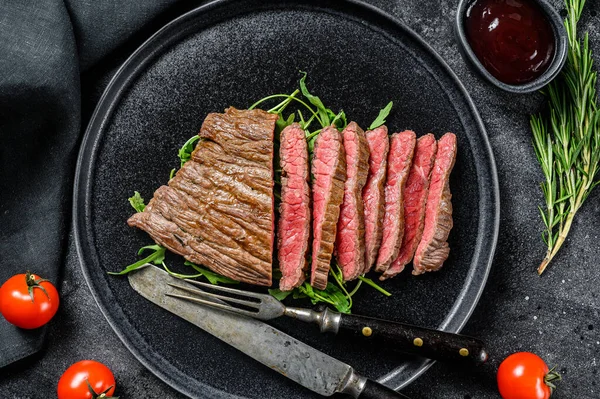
x=213, y=304
x=227, y=289
x=250, y=304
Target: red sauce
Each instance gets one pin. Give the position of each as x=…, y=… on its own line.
x=511, y=38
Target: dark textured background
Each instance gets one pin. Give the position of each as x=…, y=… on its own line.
x=555, y=316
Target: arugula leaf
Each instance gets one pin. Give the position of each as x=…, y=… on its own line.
x=283, y=123
x=137, y=202
x=296, y=294
x=290, y=119
x=157, y=257
x=370, y=282
x=212, y=277
x=341, y=302
x=305, y=124
x=278, y=294
x=340, y=121
x=179, y=275
x=331, y=295
x=311, y=138
x=380, y=120
x=323, y=112
x=308, y=290
x=185, y=153
x=157, y=249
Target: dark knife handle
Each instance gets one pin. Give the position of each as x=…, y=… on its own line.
x=374, y=390
x=432, y=344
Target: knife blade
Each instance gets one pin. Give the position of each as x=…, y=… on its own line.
x=295, y=360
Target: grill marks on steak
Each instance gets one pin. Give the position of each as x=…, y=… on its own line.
x=415, y=196
x=399, y=161
x=350, y=239
x=294, y=211
x=329, y=171
x=373, y=194
x=433, y=249
x=218, y=209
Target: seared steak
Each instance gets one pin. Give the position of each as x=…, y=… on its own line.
x=373, y=194
x=402, y=146
x=350, y=239
x=415, y=195
x=294, y=211
x=329, y=171
x=218, y=209
x=433, y=249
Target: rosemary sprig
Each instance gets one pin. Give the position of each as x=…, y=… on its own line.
x=567, y=139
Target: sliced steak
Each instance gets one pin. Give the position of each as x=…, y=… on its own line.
x=433, y=248
x=402, y=146
x=415, y=195
x=373, y=193
x=350, y=239
x=218, y=209
x=294, y=211
x=329, y=171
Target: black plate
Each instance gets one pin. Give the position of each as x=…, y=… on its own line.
x=232, y=53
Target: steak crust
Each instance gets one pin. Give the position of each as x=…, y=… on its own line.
x=218, y=209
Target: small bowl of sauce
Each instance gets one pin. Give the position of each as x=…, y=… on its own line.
x=517, y=45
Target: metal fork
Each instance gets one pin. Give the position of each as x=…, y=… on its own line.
x=267, y=307
x=433, y=344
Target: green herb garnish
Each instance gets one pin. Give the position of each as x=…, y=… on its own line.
x=157, y=257
x=567, y=138
x=380, y=120
x=185, y=153
x=212, y=277
x=278, y=294
x=324, y=112
x=137, y=202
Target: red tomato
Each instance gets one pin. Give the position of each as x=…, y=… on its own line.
x=86, y=379
x=28, y=301
x=524, y=375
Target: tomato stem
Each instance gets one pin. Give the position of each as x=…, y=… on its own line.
x=101, y=395
x=33, y=283
x=550, y=377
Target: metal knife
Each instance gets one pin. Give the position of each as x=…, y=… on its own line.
x=295, y=360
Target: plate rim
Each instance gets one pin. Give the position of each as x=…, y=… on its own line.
x=105, y=106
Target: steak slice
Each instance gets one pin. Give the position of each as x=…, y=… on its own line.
x=294, y=211
x=373, y=194
x=350, y=239
x=433, y=249
x=218, y=209
x=329, y=171
x=402, y=146
x=415, y=195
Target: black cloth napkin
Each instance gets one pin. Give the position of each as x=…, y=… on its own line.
x=49, y=50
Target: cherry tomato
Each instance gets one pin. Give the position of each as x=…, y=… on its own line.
x=87, y=379
x=28, y=301
x=524, y=375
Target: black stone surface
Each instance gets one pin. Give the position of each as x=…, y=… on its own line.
x=555, y=316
